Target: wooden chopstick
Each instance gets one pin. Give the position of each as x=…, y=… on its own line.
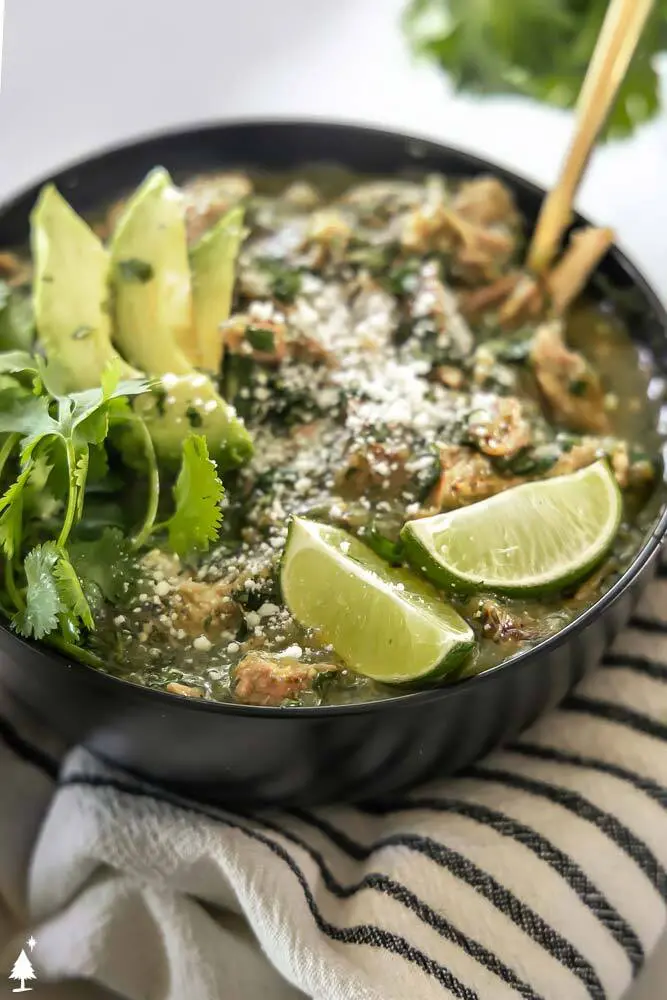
x=616, y=44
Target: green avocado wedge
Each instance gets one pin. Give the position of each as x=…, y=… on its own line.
x=184, y=404
x=213, y=262
x=151, y=280
x=154, y=327
x=71, y=294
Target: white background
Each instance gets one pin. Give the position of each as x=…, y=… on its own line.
x=78, y=74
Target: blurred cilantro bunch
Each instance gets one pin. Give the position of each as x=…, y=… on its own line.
x=537, y=48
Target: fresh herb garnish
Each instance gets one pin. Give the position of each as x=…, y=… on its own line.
x=198, y=493
x=284, y=281
x=510, y=350
x=109, y=562
x=578, y=387
x=195, y=418
x=402, y=276
x=39, y=614
x=51, y=575
x=135, y=270
x=534, y=48
x=260, y=338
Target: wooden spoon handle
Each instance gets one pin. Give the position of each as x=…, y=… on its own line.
x=616, y=44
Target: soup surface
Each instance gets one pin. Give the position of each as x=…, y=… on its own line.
x=389, y=359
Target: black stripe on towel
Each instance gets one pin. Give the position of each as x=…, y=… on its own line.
x=361, y=934
x=26, y=751
x=640, y=664
x=589, y=894
x=611, y=712
x=651, y=788
x=575, y=803
x=644, y=624
x=400, y=893
x=530, y=922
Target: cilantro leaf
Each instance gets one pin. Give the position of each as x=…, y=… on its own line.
x=537, y=48
x=108, y=562
x=135, y=270
x=57, y=434
x=98, y=464
x=43, y=604
x=11, y=515
x=75, y=605
x=198, y=493
x=82, y=420
x=14, y=362
x=79, y=477
x=29, y=417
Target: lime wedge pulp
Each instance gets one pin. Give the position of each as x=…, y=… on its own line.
x=383, y=622
x=533, y=538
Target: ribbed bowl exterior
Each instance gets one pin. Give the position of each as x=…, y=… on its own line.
x=307, y=756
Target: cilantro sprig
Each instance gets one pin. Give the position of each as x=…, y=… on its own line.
x=198, y=493
x=54, y=440
x=537, y=48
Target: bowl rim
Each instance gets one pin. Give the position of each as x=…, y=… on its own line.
x=137, y=692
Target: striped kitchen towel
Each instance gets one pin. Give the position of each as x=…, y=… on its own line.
x=541, y=872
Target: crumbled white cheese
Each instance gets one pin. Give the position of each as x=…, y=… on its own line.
x=294, y=651
x=268, y=610
x=202, y=644
x=261, y=311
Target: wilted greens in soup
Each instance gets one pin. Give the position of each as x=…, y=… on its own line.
x=221, y=370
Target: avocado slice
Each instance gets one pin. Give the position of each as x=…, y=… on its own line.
x=213, y=262
x=154, y=327
x=185, y=403
x=151, y=279
x=71, y=297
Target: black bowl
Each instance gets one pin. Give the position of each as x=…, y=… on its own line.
x=312, y=755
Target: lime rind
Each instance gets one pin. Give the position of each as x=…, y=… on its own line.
x=384, y=623
x=534, y=538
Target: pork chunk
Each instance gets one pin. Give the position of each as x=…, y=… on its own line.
x=374, y=466
x=480, y=253
x=502, y=432
x=208, y=197
x=569, y=386
x=260, y=679
x=485, y=201
x=204, y=608
x=503, y=624
x=466, y=477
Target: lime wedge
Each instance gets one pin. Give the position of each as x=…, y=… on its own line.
x=383, y=622
x=533, y=538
